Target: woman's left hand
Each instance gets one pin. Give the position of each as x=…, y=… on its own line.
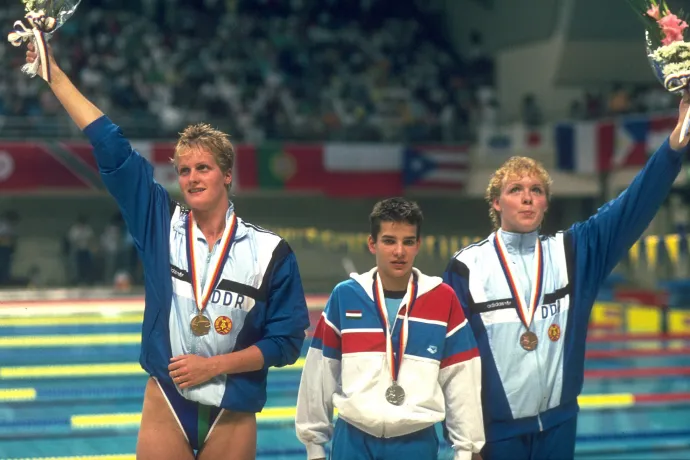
x=191, y=370
x=683, y=124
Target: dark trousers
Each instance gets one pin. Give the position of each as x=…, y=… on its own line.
x=350, y=443
x=556, y=443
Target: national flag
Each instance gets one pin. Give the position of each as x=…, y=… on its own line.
x=294, y=167
x=436, y=167
x=83, y=151
x=638, y=137
x=245, y=171
x=32, y=166
x=515, y=139
x=160, y=154
x=584, y=147
x=362, y=170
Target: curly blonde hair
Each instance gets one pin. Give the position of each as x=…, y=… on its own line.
x=204, y=136
x=514, y=167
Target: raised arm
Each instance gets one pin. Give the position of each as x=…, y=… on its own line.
x=128, y=176
x=602, y=240
x=79, y=108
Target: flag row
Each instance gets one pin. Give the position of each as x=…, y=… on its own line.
x=347, y=170
x=359, y=169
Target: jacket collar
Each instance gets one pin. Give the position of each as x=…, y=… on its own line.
x=424, y=283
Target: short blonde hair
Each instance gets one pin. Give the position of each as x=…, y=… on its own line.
x=204, y=136
x=515, y=166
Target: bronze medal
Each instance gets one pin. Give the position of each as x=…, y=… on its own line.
x=525, y=311
x=529, y=341
x=200, y=325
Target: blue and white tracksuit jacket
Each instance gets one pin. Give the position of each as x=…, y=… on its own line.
x=260, y=289
x=347, y=369
x=530, y=391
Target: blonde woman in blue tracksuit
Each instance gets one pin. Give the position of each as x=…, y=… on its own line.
x=528, y=298
x=224, y=299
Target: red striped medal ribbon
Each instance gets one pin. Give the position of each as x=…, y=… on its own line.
x=528, y=340
x=200, y=324
x=395, y=394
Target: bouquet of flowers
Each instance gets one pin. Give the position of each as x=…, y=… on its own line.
x=44, y=17
x=667, y=51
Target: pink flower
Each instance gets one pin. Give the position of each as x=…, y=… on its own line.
x=654, y=12
x=673, y=28
x=672, y=37
x=671, y=20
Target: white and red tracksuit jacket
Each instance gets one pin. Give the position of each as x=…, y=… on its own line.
x=346, y=369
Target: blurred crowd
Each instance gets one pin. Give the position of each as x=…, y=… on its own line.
x=356, y=70
x=279, y=69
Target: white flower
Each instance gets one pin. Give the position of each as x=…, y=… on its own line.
x=680, y=67
x=674, y=51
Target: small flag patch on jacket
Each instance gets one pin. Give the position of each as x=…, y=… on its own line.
x=357, y=314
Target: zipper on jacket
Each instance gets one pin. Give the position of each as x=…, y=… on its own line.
x=207, y=260
x=542, y=395
x=392, y=331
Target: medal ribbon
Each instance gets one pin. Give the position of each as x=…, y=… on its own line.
x=526, y=312
x=201, y=296
x=409, y=300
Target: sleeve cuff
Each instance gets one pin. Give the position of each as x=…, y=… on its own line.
x=682, y=150
x=97, y=129
x=270, y=352
x=315, y=451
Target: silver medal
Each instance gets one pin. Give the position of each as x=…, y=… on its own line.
x=395, y=394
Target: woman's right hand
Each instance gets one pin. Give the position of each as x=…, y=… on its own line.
x=32, y=55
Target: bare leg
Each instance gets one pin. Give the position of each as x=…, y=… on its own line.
x=232, y=438
x=160, y=436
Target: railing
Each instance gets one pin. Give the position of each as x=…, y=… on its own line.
x=61, y=127
x=140, y=126
x=325, y=258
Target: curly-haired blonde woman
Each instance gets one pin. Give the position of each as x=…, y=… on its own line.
x=528, y=298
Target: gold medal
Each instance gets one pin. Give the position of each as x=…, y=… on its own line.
x=200, y=325
x=529, y=341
